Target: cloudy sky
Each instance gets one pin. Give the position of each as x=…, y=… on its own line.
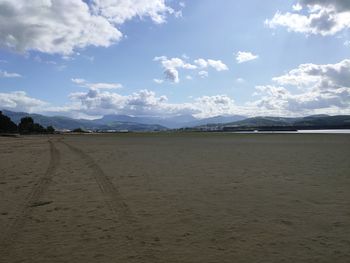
x=87, y=58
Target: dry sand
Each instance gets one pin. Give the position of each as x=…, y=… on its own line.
x=175, y=198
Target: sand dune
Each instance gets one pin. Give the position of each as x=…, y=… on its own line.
x=175, y=198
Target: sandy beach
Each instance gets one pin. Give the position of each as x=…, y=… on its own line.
x=175, y=198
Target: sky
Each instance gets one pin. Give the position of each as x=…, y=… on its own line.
x=86, y=59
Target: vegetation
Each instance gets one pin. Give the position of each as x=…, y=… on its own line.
x=26, y=126
x=78, y=130
x=6, y=125
x=50, y=129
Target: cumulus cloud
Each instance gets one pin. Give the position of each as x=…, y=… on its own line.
x=339, y=5
x=209, y=106
x=171, y=66
x=307, y=89
x=5, y=74
x=203, y=74
x=95, y=102
x=20, y=101
x=99, y=85
x=141, y=103
x=297, y=7
x=321, y=76
x=218, y=65
x=147, y=103
x=172, y=75
x=158, y=81
x=174, y=63
x=242, y=56
x=320, y=87
x=119, y=11
x=61, y=26
x=322, y=17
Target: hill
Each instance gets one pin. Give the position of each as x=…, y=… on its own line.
x=63, y=123
x=281, y=123
x=173, y=122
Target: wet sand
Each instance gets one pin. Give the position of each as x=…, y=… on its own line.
x=175, y=198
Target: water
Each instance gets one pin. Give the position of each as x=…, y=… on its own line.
x=324, y=131
x=340, y=131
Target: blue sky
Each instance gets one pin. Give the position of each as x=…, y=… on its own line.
x=175, y=57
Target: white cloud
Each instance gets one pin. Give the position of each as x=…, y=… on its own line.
x=62, y=26
x=297, y=7
x=321, y=88
x=242, y=56
x=174, y=63
x=119, y=11
x=171, y=66
x=307, y=89
x=158, y=81
x=202, y=63
x=79, y=81
x=141, y=103
x=96, y=102
x=322, y=76
x=339, y=5
x=172, y=75
x=240, y=80
x=147, y=103
x=347, y=43
x=5, y=74
x=323, y=17
x=99, y=85
x=20, y=101
x=178, y=14
x=218, y=65
x=209, y=106
x=203, y=74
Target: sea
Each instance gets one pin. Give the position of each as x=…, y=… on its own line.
x=340, y=131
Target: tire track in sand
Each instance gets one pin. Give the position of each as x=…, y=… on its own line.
x=136, y=234
x=32, y=199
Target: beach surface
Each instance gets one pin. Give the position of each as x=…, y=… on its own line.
x=196, y=197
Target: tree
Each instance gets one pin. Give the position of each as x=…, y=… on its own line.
x=78, y=130
x=37, y=128
x=6, y=125
x=50, y=129
x=26, y=125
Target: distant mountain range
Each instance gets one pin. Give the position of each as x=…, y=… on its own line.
x=174, y=122
x=65, y=123
x=281, y=123
x=236, y=122
x=121, y=122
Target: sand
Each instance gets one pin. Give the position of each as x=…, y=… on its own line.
x=175, y=198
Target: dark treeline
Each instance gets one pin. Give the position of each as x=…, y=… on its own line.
x=26, y=126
